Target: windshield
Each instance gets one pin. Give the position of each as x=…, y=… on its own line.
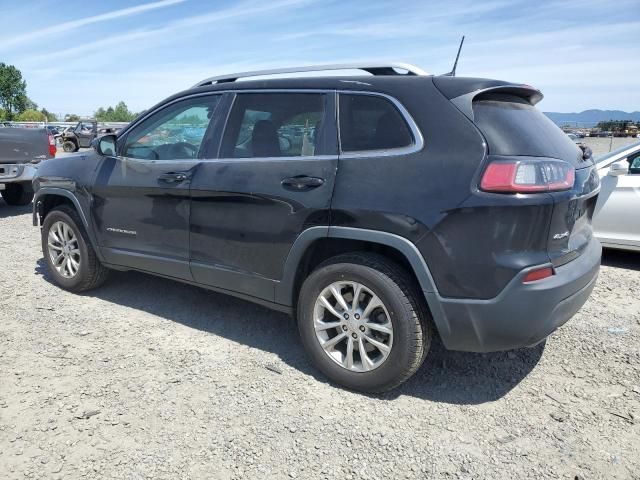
x=617, y=152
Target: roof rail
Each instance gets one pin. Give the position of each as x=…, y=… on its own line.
x=379, y=68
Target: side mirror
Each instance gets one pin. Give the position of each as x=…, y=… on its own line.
x=618, y=168
x=105, y=145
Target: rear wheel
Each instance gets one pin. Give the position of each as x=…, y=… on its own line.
x=363, y=322
x=69, y=146
x=68, y=252
x=17, y=194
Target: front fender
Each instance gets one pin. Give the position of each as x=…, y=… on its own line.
x=69, y=194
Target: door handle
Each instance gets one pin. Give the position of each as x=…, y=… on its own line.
x=302, y=183
x=173, y=177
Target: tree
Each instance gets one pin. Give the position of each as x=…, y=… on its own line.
x=51, y=117
x=31, y=116
x=30, y=104
x=71, y=117
x=614, y=125
x=3, y=114
x=120, y=113
x=13, y=90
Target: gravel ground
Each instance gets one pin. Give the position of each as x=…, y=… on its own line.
x=601, y=146
x=146, y=378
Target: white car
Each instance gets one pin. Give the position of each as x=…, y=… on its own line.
x=616, y=221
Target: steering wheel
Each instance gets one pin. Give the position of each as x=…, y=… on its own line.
x=179, y=149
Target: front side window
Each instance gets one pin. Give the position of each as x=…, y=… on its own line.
x=275, y=125
x=84, y=127
x=175, y=132
x=369, y=122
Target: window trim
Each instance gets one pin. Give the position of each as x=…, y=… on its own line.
x=418, y=139
x=327, y=114
x=124, y=135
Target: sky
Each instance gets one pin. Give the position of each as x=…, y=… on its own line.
x=77, y=56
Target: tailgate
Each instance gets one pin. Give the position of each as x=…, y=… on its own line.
x=514, y=128
x=23, y=145
x=570, y=230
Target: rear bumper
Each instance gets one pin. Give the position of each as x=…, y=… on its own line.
x=522, y=314
x=12, y=173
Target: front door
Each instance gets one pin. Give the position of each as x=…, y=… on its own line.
x=141, y=200
x=616, y=219
x=273, y=178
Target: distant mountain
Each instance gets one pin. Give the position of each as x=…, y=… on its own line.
x=590, y=118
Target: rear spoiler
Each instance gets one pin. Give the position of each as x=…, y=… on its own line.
x=463, y=91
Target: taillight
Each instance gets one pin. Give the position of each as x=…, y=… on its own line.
x=538, y=274
x=527, y=176
x=52, y=146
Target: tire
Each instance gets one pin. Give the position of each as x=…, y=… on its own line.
x=89, y=273
x=17, y=194
x=69, y=147
x=402, y=307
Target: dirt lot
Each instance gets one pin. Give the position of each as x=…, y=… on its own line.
x=146, y=378
x=601, y=146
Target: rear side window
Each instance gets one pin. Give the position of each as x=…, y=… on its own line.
x=369, y=122
x=512, y=126
x=275, y=125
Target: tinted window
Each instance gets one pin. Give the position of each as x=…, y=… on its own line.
x=174, y=132
x=634, y=164
x=370, y=122
x=275, y=125
x=512, y=126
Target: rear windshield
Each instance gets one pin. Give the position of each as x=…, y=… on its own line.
x=512, y=126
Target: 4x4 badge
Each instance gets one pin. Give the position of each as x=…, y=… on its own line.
x=560, y=236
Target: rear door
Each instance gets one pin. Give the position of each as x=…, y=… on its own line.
x=272, y=179
x=141, y=203
x=617, y=221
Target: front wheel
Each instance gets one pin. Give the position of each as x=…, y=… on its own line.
x=68, y=252
x=363, y=322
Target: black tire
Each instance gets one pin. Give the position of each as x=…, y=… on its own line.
x=17, y=194
x=91, y=273
x=69, y=146
x=408, y=313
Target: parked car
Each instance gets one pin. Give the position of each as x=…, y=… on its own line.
x=21, y=150
x=80, y=136
x=573, y=137
x=413, y=204
x=616, y=219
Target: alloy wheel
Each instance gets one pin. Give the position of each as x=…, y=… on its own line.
x=353, y=326
x=64, y=250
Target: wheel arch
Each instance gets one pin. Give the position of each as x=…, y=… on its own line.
x=316, y=244
x=47, y=198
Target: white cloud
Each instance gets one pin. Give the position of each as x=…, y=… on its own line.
x=75, y=24
x=144, y=36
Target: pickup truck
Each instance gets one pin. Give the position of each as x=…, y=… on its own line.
x=21, y=150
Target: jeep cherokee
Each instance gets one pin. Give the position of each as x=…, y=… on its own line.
x=377, y=209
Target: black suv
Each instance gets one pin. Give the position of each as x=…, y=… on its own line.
x=376, y=209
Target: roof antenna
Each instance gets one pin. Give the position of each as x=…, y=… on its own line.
x=452, y=73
